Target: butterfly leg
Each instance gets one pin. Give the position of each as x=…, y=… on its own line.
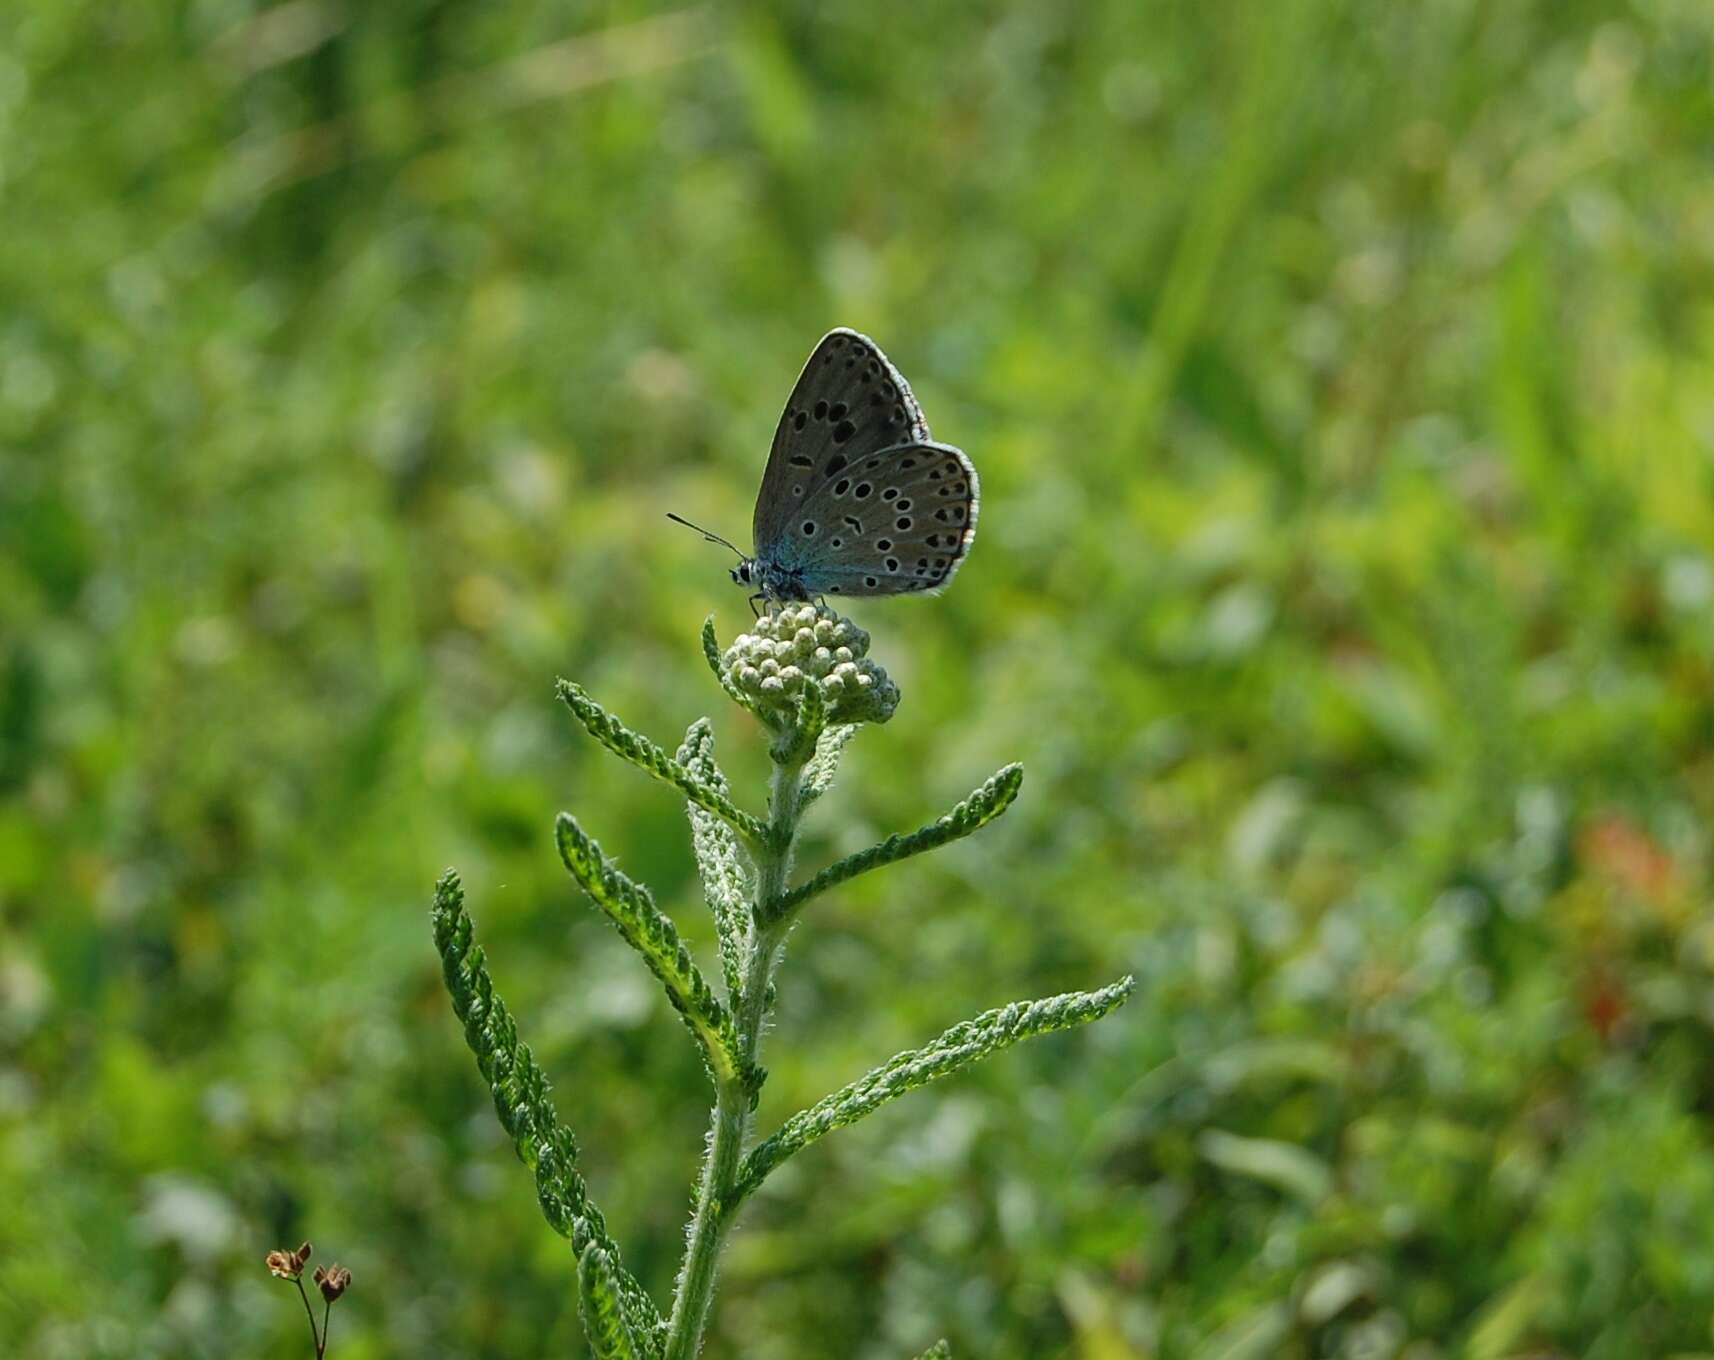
x=755, y=612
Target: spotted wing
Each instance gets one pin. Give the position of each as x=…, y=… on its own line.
x=897, y=521
x=848, y=405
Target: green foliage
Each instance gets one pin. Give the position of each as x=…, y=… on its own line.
x=711, y=653
x=939, y=1351
x=726, y=877
x=962, y=1045
x=522, y=1101
x=648, y=757
x=604, y=1322
x=520, y=1090
x=818, y=775
x=1338, y=380
x=646, y=929
x=749, y=921
x=975, y=812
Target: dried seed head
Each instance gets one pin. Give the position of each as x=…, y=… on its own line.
x=802, y=644
x=332, y=1280
x=288, y=1265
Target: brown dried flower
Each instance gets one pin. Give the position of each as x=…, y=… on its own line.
x=332, y=1280
x=288, y=1265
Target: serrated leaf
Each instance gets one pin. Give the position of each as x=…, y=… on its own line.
x=975, y=812
x=824, y=764
x=719, y=859
x=643, y=926
x=648, y=757
x=522, y=1098
x=604, y=1321
x=953, y=1051
x=796, y=742
x=711, y=653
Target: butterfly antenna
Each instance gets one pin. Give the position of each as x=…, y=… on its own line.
x=711, y=537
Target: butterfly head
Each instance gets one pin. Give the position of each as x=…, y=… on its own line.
x=748, y=571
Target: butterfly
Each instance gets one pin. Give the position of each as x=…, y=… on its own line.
x=856, y=498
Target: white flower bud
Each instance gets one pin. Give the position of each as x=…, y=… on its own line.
x=797, y=644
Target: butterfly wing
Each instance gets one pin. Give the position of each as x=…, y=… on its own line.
x=896, y=521
x=849, y=404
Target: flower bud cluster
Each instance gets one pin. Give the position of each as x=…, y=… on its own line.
x=803, y=644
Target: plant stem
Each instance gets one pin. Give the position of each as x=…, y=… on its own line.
x=731, y=1126
x=309, y=1312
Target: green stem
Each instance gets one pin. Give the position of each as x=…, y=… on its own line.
x=309, y=1312
x=714, y=1197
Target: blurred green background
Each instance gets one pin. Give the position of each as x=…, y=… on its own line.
x=1342, y=382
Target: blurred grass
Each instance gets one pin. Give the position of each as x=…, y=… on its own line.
x=1340, y=379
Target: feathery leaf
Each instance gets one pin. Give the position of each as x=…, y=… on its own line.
x=645, y=755
x=631, y=908
x=941, y=1350
x=976, y=811
x=796, y=741
x=711, y=653
x=824, y=764
x=522, y=1098
x=953, y=1051
x=719, y=858
x=603, y=1315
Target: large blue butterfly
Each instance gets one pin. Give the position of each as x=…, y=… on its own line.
x=856, y=498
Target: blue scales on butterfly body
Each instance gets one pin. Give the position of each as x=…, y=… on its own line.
x=857, y=499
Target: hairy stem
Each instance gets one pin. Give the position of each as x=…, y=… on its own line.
x=715, y=1199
